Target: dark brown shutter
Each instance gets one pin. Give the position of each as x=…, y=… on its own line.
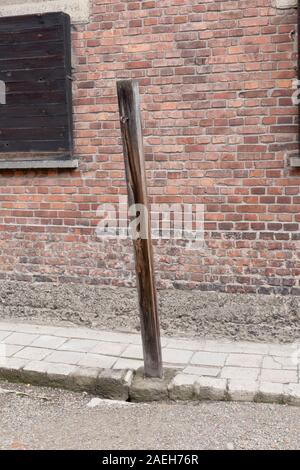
x=35, y=64
x=294, y=160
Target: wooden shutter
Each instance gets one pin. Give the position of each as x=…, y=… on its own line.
x=35, y=64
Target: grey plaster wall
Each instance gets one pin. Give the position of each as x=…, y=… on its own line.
x=79, y=10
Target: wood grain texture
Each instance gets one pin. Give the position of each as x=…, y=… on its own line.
x=131, y=129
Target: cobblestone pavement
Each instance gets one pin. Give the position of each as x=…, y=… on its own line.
x=105, y=363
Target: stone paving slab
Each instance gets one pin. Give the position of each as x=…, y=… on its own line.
x=110, y=365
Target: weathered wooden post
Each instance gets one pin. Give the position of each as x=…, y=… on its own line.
x=132, y=137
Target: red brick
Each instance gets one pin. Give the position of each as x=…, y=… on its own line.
x=216, y=86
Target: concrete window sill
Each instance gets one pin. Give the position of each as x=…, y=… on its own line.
x=39, y=163
x=295, y=161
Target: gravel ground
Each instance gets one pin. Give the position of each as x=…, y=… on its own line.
x=43, y=418
x=253, y=317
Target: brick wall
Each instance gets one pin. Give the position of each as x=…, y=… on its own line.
x=216, y=85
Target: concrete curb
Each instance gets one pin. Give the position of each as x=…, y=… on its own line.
x=109, y=365
x=130, y=385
